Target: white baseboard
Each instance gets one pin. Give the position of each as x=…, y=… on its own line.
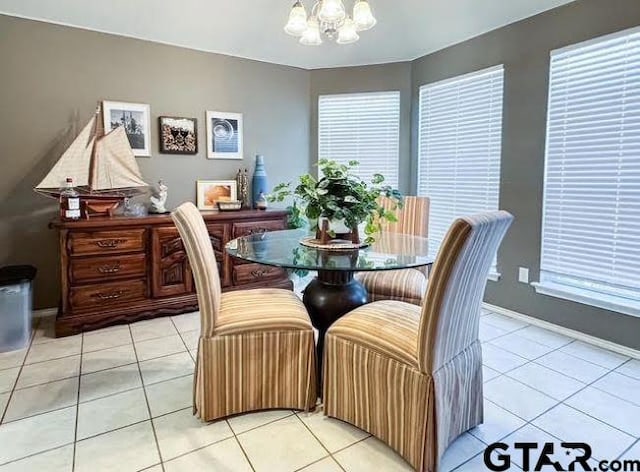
x=44, y=312
x=603, y=343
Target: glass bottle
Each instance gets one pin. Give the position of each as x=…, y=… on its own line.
x=69, y=202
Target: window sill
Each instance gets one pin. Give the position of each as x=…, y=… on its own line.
x=494, y=276
x=588, y=297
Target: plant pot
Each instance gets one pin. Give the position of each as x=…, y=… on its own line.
x=336, y=229
x=335, y=226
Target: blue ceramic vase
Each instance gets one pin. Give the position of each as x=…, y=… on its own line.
x=260, y=184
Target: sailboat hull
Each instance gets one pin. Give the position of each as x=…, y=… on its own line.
x=97, y=207
x=97, y=204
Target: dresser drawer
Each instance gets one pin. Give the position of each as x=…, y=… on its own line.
x=254, y=273
x=106, y=242
x=107, y=294
x=254, y=227
x=107, y=267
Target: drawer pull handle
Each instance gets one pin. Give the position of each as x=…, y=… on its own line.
x=258, y=273
x=111, y=295
x=109, y=269
x=109, y=243
x=258, y=230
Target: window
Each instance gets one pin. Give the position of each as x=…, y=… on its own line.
x=364, y=127
x=591, y=218
x=460, y=141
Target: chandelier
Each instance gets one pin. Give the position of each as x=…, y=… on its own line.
x=329, y=17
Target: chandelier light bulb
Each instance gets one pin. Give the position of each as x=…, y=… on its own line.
x=362, y=15
x=331, y=11
x=347, y=33
x=311, y=36
x=329, y=19
x=297, y=23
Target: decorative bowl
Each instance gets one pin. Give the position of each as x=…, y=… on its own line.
x=232, y=205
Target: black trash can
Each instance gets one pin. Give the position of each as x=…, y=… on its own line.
x=15, y=306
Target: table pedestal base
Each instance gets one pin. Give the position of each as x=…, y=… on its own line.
x=329, y=296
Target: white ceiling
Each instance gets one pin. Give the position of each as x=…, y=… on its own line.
x=406, y=29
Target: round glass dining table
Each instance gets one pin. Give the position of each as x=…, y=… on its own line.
x=334, y=291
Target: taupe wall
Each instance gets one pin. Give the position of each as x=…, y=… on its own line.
x=376, y=78
x=524, y=49
x=50, y=80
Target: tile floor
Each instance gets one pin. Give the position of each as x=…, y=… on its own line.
x=119, y=399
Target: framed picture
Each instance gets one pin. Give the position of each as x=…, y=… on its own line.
x=210, y=192
x=135, y=119
x=178, y=135
x=224, y=135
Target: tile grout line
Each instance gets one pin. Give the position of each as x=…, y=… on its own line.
x=146, y=399
x=12, y=461
x=100, y=397
x=199, y=448
x=75, y=430
x=559, y=348
x=626, y=375
x=260, y=426
x=369, y=435
x=329, y=454
x=185, y=344
x=633, y=444
x=561, y=402
x=15, y=382
x=246, y=456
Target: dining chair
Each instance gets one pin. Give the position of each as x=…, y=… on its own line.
x=256, y=349
x=409, y=375
x=407, y=285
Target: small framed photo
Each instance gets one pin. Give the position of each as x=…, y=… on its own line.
x=224, y=135
x=135, y=118
x=210, y=192
x=178, y=135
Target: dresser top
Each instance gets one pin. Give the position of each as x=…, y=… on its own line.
x=152, y=219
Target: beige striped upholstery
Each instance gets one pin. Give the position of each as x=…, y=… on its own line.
x=256, y=349
x=387, y=327
x=407, y=285
x=413, y=218
x=418, y=391
x=268, y=309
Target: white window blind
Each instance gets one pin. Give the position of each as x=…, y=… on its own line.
x=364, y=127
x=460, y=142
x=591, y=221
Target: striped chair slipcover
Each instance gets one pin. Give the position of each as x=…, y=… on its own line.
x=410, y=375
x=407, y=285
x=256, y=349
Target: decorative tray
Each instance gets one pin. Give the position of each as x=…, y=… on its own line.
x=233, y=205
x=333, y=245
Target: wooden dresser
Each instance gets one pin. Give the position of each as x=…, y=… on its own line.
x=119, y=270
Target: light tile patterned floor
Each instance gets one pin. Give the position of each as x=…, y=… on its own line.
x=119, y=399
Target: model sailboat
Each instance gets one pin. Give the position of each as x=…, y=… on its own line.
x=103, y=168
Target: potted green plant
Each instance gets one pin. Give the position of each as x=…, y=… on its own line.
x=341, y=198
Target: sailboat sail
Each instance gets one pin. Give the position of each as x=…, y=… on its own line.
x=75, y=161
x=114, y=165
x=97, y=162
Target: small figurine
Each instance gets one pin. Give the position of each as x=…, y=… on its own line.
x=159, y=198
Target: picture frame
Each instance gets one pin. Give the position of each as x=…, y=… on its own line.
x=224, y=135
x=135, y=117
x=210, y=192
x=178, y=135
